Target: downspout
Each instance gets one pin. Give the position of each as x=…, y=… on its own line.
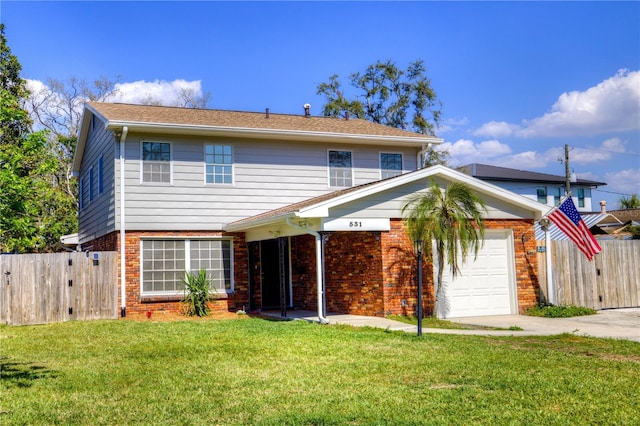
x=420, y=156
x=319, y=268
x=123, y=268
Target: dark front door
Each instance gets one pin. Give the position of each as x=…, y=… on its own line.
x=274, y=261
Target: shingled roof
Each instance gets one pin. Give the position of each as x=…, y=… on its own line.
x=128, y=113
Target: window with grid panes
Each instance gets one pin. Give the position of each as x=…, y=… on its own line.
x=165, y=262
x=156, y=162
x=390, y=165
x=218, y=164
x=340, y=171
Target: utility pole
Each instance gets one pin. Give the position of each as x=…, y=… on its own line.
x=567, y=172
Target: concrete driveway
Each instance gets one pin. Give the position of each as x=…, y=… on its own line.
x=613, y=323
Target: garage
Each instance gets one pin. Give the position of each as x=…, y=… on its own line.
x=486, y=285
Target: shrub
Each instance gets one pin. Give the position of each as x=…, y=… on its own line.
x=196, y=293
x=563, y=311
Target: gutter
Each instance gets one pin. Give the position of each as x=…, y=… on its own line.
x=261, y=133
x=123, y=264
x=319, y=268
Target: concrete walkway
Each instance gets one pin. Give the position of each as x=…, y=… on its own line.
x=612, y=323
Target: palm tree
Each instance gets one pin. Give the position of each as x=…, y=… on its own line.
x=452, y=217
x=632, y=202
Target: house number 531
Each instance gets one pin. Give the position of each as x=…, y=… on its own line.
x=355, y=224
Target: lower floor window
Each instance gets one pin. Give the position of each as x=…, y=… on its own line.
x=165, y=262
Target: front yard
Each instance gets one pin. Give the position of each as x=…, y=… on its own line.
x=253, y=371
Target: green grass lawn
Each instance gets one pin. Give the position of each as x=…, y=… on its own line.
x=253, y=371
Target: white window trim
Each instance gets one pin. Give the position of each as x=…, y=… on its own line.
x=170, y=183
x=187, y=253
x=390, y=152
x=233, y=165
x=353, y=167
x=100, y=175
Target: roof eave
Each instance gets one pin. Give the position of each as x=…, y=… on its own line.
x=298, y=135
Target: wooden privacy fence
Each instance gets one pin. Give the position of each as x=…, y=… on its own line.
x=611, y=280
x=44, y=288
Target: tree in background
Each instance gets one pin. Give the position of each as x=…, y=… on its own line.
x=632, y=202
x=388, y=95
x=451, y=217
x=33, y=206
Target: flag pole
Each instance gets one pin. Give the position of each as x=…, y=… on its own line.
x=567, y=172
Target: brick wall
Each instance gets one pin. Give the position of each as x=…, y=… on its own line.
x=366, y=273
x=370, y=273
x=399, y=271
x=353, y=273
x=136, y=304
x=108, y=242
x=303, y=272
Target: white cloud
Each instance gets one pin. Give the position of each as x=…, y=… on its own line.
x=611, y=106
x=496, y=129
x=452, y=124
x=614, y=145
x=623, y=181
x=465, y=151
x=528, y=160
x=157, y=92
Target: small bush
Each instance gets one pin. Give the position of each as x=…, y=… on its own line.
x=196, y=294
x=553, y=311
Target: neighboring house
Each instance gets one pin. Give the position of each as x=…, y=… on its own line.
x=544, y=188
x=283, y=211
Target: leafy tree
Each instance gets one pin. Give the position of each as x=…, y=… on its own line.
x=453, y=218
x=388, y=95
x=632, y=202
x=34, y=212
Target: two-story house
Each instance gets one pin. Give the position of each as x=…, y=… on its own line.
x=282, y=211
x=542, y=187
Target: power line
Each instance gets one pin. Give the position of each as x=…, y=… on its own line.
x=631, y=154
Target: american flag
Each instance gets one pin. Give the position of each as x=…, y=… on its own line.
x=567, y=218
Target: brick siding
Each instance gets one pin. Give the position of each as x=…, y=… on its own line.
x=367, y=273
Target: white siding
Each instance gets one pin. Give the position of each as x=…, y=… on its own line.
x=388, y=204
x=267, y=175
x=529, y=190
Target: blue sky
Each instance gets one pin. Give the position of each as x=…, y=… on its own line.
x=518, y=80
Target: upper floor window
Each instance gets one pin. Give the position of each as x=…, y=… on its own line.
x=100, y=175
x=218, y=161
x=556, y=196
x=390, y=165
x=542, y=195
x=580, y=197
x=340, y=171
x=156, y=162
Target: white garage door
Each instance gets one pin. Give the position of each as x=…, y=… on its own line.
x=484, y=286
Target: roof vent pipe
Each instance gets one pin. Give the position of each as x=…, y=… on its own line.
x=603, y=207
x=307, y=110
x=346, y=115
x=266, y=113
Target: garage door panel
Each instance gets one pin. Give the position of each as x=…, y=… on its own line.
x=484, y=286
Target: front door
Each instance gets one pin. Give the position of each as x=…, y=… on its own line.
x=274, y=261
